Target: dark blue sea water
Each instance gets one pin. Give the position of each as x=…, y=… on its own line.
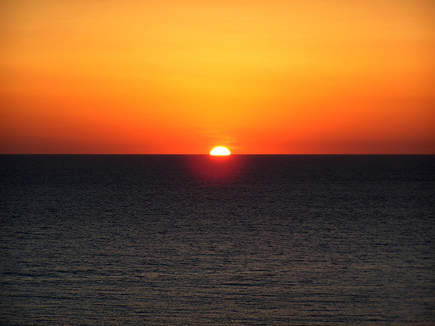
x=196, y=240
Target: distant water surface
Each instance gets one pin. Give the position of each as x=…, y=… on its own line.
x=196, y=240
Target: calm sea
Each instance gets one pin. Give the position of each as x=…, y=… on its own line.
x=196, y=240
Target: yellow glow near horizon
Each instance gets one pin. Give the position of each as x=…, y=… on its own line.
x=220, y=151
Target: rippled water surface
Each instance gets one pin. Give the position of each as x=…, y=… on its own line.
x=196, y=240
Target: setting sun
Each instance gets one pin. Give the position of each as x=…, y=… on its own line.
x=220, y=151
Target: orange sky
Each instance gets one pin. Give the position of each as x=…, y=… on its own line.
x=181, y=76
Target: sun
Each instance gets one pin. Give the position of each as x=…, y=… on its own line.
x=220, y=151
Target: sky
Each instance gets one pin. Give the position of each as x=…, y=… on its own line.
x=183, y=76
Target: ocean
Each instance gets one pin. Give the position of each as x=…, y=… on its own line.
x=201, y=240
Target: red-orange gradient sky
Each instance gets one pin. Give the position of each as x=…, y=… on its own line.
x=183, y=76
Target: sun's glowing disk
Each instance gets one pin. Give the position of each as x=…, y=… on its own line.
x=220, y=151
